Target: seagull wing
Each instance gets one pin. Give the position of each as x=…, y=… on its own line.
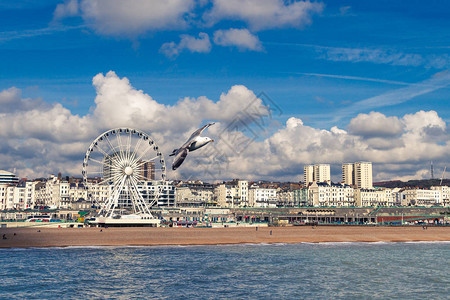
x=199, y=131
x=179, y=158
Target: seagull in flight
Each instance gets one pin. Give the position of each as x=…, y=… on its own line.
x=194, y=142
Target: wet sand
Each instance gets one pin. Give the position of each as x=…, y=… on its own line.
x=62, y=237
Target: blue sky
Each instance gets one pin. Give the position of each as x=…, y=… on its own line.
x=324, y=65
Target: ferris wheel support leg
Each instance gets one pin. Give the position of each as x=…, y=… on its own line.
x=139, y=199
x=113, y=201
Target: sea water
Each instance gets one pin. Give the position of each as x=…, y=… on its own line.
x=286, y=271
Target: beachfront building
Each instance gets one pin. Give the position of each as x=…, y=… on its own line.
x=96, y=193
x=292, y=197
x=301, y=197
x=262, y=197
x=445, y=193
x=421, y=197
x=195, y=195
x=77, y=191
x=324, y=194
x=24, y=194
x=8, y=178
x=394, y=198
x=285, y=198
x=6, y=196
x=17, y=197
x=372, y=197
x=53, y=193
x=232, y=194
x=164, y=191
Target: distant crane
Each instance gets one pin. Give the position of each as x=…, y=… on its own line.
x=443, y=173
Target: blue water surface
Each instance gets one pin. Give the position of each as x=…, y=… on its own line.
x=294, y=271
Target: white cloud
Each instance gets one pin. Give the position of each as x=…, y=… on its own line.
x=375, y=124
x=240, y=38
x=201, y=44
x=265, y=14
x=11, y=100
x=50, y=138
x=383, y=56
x=69, y=8
x=423, y=119
x=128, y=18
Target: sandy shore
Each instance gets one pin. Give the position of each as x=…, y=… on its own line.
x=60, y=237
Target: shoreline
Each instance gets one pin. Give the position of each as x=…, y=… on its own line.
x=136, y=236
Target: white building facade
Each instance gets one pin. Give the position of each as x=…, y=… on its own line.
x=322, y=194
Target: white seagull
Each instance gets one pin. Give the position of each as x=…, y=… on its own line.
x=194, y=142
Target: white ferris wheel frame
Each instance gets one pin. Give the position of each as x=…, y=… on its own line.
x=125, y=165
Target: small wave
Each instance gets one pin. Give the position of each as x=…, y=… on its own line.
x=427, y=242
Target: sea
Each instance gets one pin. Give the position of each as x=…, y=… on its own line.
x=354, y=270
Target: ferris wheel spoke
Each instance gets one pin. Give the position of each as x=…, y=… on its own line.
x=136, y=148
x=129, y=143
x=101, y=150
x=143, y=162
x=137, y=165
x=136, y=205
x=100, y=162
x=122, y=152
x=145, y=152
x=111, y=178
x=155, y=199
x=132, y=202
x=140, y=177
x=110, y=144
x=117, y=195
x=139, y=197
x=114, y=152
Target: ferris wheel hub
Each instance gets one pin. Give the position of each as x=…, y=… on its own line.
x=128, y=170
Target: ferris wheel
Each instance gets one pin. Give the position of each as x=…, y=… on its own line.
x=122, y=159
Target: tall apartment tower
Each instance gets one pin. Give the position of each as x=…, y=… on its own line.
x=308, y=174
x=358, y=174
x=363, y=175
x=322, y=173
x=148, y=170
x=318, y=173
x=347, y=174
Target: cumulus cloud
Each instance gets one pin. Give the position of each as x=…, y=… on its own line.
x=11, y=100
x=265, y=14
x=422, y=120
x=128, y=18
x=375, y=124
x=240, y=38
x=202, y=44
x=50, y=138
